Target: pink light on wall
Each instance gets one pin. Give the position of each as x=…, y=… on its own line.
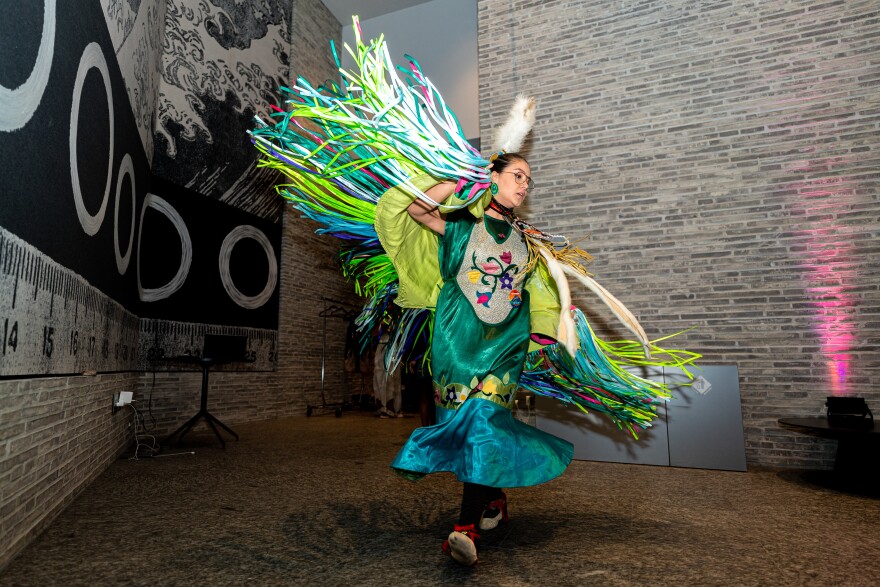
x=836, y=332
x=829, y=269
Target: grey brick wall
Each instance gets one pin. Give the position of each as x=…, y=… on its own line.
x=58, y=434
x=722, y=160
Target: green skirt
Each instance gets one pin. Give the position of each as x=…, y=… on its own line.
x=481, y=442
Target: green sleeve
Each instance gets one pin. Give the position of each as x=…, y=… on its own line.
x=543, y=304
x=411, y=246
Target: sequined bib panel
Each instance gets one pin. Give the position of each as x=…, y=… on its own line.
x=492, y=274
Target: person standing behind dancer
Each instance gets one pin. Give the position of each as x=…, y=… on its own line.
x=386, y=386
x=417, y=381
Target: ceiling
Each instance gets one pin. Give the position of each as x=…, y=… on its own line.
x=366, y=9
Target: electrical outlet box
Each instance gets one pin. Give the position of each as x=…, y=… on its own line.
x=120, y=399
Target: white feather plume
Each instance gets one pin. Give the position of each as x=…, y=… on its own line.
x=510, y=137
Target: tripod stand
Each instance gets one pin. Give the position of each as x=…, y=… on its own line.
x=205, y=363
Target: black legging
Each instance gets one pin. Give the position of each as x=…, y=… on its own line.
x=474, y=500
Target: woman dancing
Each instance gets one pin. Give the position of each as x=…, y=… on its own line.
x=429, y=227
x=481, y=336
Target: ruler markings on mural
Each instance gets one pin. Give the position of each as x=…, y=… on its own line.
x=42, y=335
x=163, y=339
x=84, y=329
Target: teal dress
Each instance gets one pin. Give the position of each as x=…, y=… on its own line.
x=481, y=336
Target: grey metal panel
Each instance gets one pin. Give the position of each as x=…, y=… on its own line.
x=706, y=431
x=596, y=438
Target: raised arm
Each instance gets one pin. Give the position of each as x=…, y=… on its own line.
x=429, y=215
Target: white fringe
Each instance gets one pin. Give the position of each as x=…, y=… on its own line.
x=620, y=311
x=566, y=333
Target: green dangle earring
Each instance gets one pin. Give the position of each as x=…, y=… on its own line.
x=493, y=188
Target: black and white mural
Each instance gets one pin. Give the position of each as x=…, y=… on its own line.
x=222, y=62
x=136, y=28
x=103, y=265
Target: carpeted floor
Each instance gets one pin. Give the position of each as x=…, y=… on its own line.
x=311, y=501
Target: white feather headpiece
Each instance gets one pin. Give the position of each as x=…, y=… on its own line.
x=510, y=137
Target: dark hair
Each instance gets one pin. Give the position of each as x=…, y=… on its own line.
x=502, y=161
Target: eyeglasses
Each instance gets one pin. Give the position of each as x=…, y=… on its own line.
x=521, y=178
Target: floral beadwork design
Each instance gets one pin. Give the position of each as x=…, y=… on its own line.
x=497, y=390
x=493, y=273
x=490, y=271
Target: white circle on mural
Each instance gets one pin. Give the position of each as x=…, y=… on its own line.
x=125, y=168
x=160, y=293
x=92, y=57
x=17, y=105
x=236, y=234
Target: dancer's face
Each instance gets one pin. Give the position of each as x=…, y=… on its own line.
x=513, y=183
